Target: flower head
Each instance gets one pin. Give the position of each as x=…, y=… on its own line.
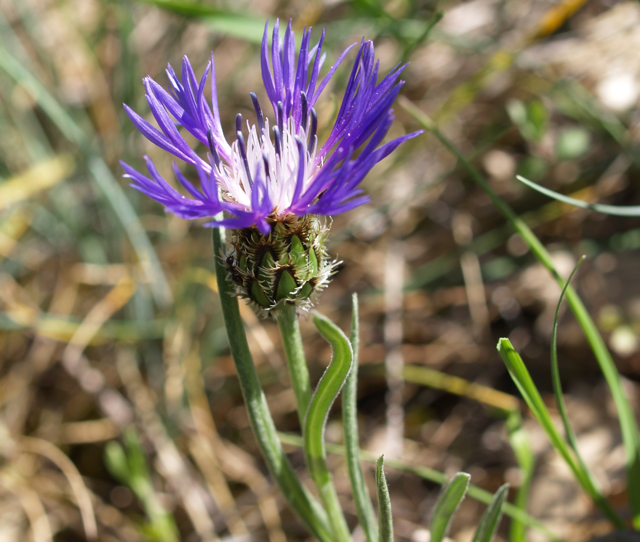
x=279, y=169
x=272, y=174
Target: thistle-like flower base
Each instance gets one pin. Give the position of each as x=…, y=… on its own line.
x=289, y=265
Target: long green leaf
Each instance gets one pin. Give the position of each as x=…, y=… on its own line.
x=615, y=210
x=385, y=520
x=261, y=421
x=527, y=388
x=555, y=372
x=314, y=446
x=628, y=424
x=491, y=518
x=350, y=423
x=450, y=498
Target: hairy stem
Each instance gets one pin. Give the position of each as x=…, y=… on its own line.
x=262, y=423
x=287, y=319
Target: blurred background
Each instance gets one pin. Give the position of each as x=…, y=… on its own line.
x=120, y=414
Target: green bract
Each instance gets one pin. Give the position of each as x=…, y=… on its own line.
x=289, y=265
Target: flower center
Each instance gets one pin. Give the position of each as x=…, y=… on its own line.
x=277, y=161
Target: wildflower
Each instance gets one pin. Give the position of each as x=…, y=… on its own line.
x=274, y=185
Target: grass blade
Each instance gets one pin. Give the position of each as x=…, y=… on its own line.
x=525, y=385
x=508, y=406
x=628, y=424
x=615, y=210
x=129, y=465
x=492, y=516
x=555, y=372
x=450, y=498
x=39, y=177
x=425, y=376
x=223, y=21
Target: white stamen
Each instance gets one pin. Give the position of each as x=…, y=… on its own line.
x=283, y=168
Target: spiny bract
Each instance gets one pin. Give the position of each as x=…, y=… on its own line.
x=290, y=264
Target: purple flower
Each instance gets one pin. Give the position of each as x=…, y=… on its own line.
x=271, y=171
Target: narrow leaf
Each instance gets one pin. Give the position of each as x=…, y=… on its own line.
x=555, y=370
x=628, y=424
x=329, y=386
x=314, y=446
x=450, y=498
x=615, y=210
x=363, y=503
x=100, y=172
x=385, y=521
x=521, y=377
x=491, y=518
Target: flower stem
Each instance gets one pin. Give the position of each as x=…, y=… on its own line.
x=262, y=423
x=287, y=319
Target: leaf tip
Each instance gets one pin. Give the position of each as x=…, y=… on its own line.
x=504, y=344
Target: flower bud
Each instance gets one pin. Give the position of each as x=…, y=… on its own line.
x=288, y=265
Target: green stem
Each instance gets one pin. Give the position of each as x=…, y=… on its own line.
x=329, y=498
x=262, y=423
x=287, y=318
x=364, y=507
x=526, y=461
x=628, y=425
